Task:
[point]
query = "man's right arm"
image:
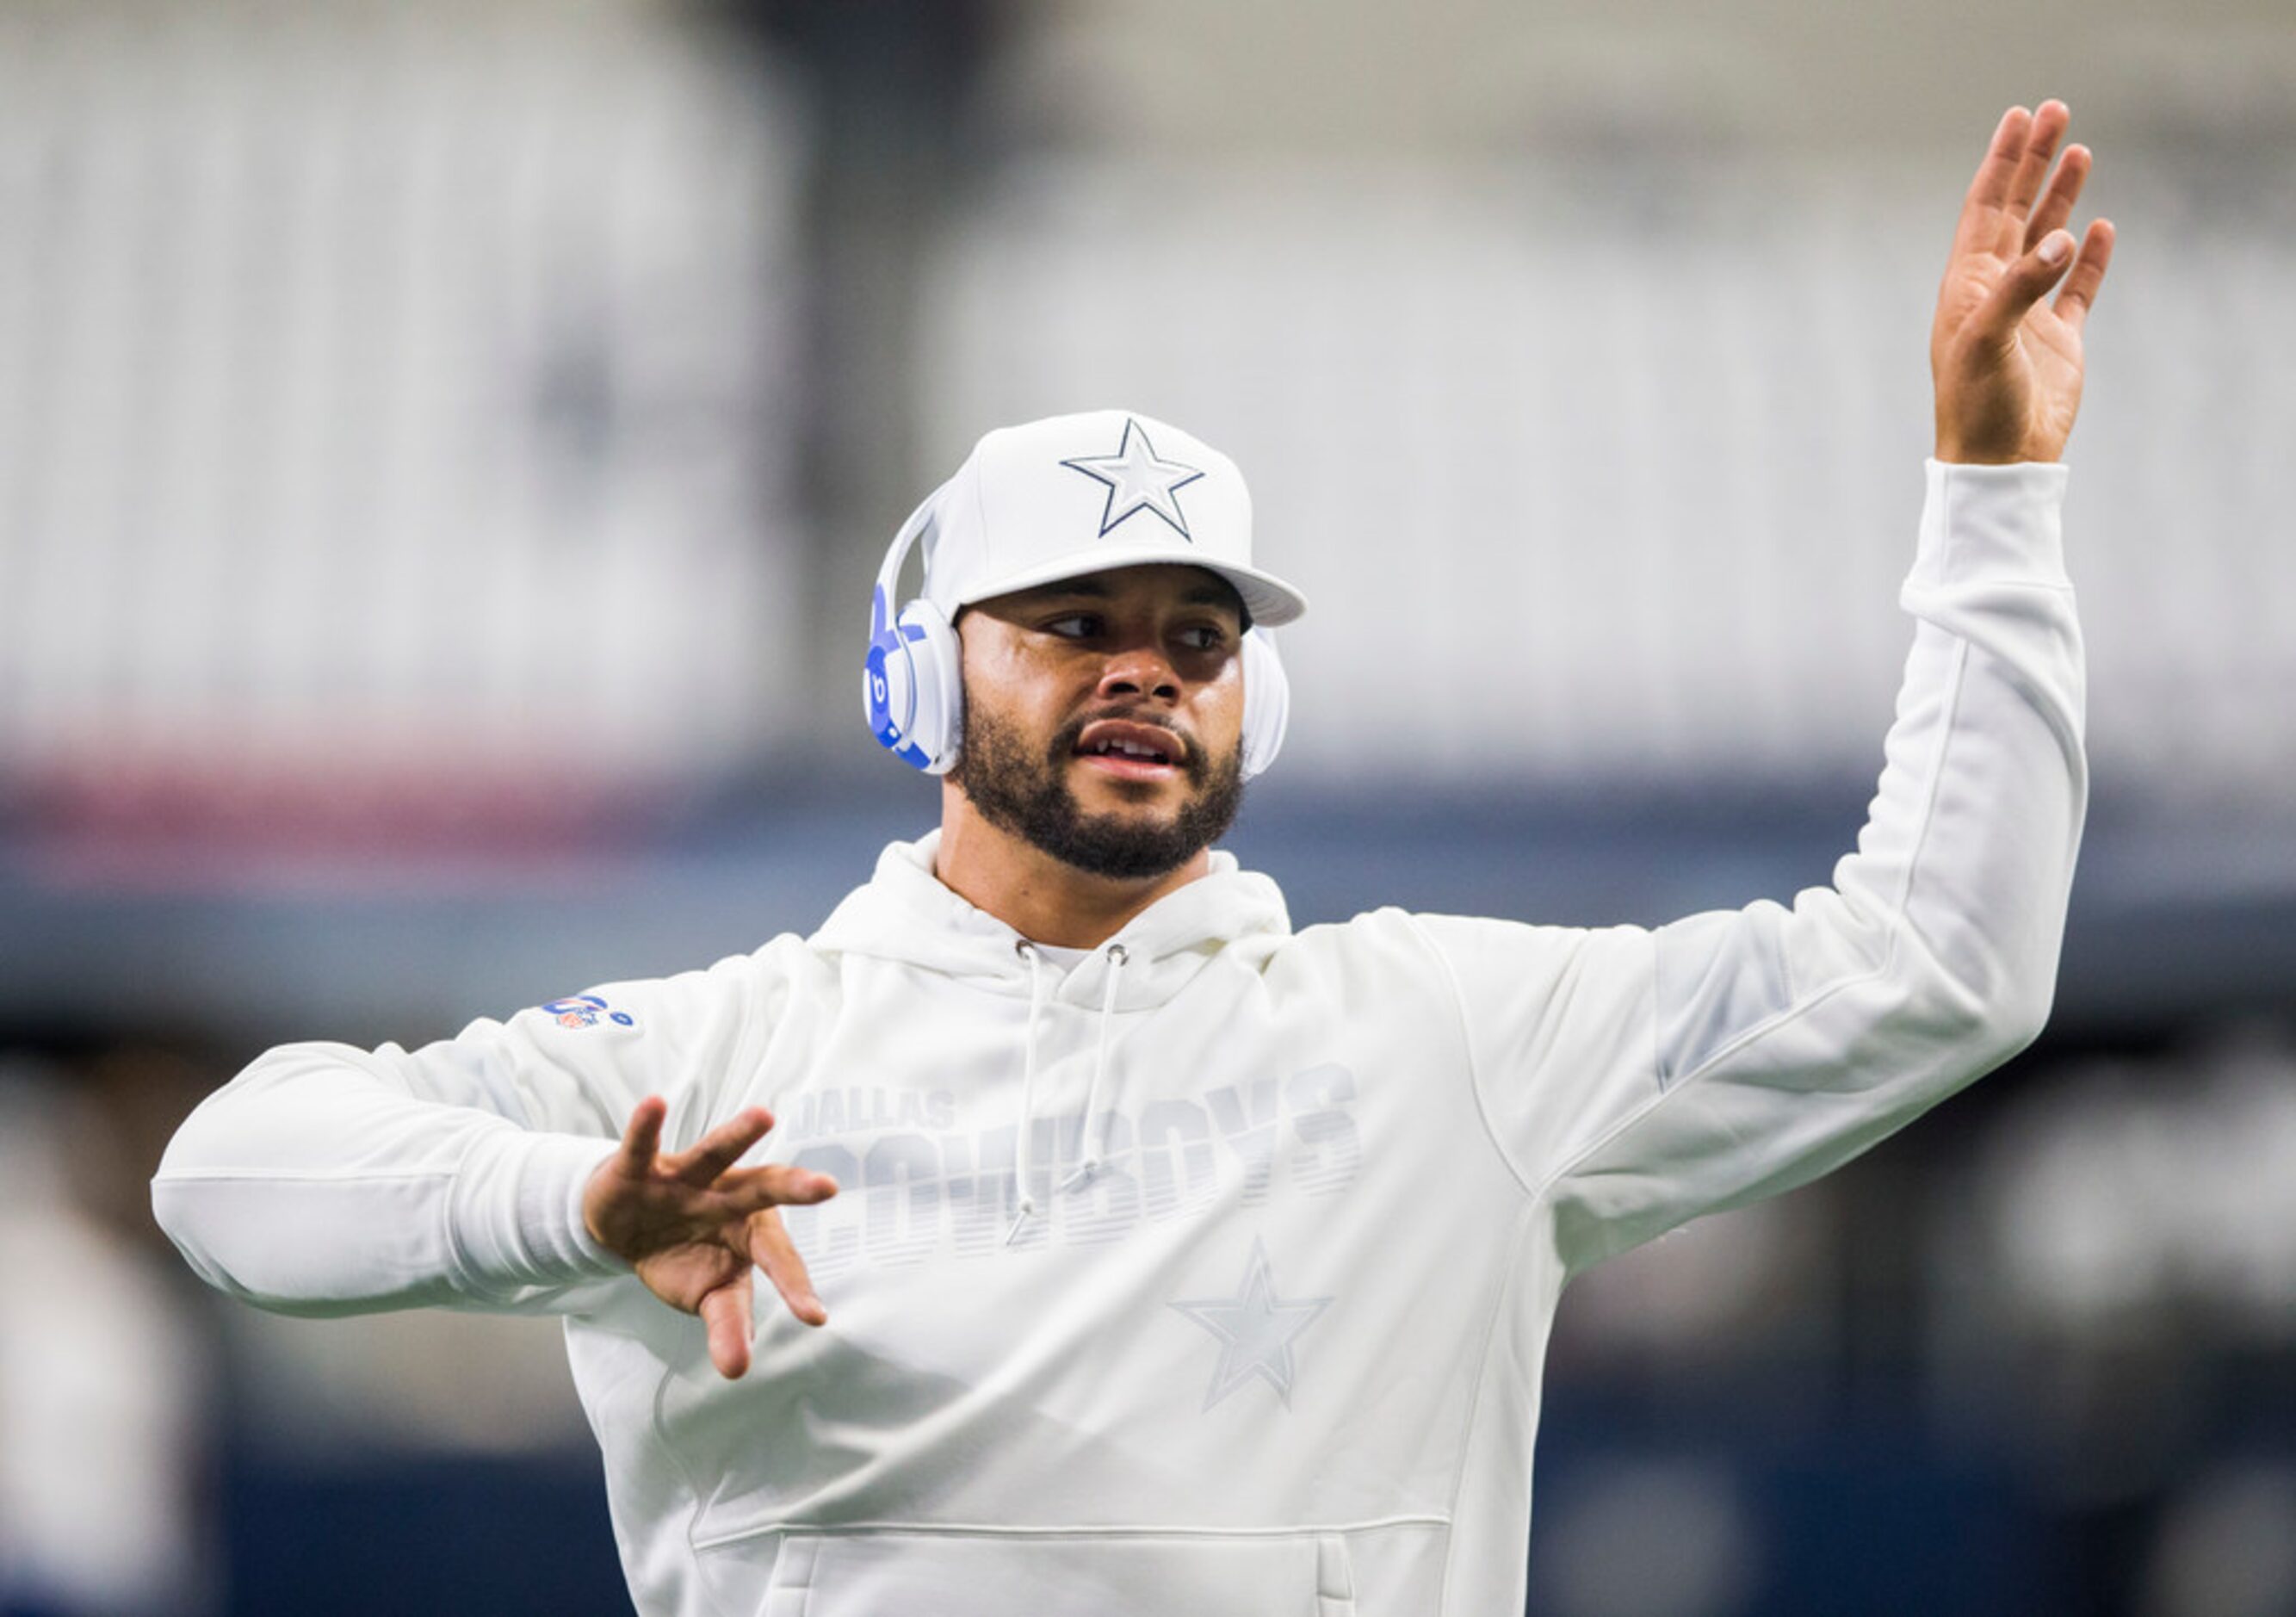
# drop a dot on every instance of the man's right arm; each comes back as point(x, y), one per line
point(326, 1180)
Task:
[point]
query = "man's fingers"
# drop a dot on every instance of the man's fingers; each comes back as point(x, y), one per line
point(643, 1138)
point(2080, 293)
point(1984, 210)
point(2041, 138)
point(726, 1315)
point(772, 1251)
point(717, 1151)
point(2001, 194)
point(1997, 170)
point(801, 1186)
point(2057, 207)
point(754, 1189)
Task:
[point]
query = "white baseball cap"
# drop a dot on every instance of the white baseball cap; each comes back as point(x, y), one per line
point(1076, 494)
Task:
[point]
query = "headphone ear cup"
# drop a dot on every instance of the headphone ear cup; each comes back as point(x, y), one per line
point(887, 685)
point(935, 668)
point(1266, 702)
point(912, 687)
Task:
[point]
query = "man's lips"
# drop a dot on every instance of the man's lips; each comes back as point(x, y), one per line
point(1130, 750)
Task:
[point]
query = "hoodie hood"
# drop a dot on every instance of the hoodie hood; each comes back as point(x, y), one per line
point(905, 914)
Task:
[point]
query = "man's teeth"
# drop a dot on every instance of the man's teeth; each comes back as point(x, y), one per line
point(1129, 749)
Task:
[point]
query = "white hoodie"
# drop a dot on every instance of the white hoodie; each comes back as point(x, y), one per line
point(1254, 1325)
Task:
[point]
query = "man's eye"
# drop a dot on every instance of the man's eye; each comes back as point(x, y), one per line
point(1074, 626)
point(1205, 637)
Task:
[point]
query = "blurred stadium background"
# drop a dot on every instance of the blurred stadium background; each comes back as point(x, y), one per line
point(443, 451)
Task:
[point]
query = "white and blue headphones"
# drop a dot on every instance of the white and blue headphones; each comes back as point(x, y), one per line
point(914, 684)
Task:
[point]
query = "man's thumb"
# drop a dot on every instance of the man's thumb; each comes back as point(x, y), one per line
point(2028, 280)
point(725, 1317)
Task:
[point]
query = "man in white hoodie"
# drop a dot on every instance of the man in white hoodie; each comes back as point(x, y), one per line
point(1180, 1261)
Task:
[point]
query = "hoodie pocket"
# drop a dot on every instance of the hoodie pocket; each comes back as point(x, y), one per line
point(1044, 1574)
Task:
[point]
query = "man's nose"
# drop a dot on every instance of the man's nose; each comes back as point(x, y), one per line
point(1139, 671)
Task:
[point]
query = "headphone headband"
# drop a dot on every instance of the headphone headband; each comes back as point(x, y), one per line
point(889, 575)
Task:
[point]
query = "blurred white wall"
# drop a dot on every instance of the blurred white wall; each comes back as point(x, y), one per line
point(1453, 78)
point(390, 395)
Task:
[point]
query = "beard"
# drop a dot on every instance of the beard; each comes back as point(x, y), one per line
point(1025, 793)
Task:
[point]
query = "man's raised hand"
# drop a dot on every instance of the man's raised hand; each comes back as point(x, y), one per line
point(2008, 366)
point(694, 1226)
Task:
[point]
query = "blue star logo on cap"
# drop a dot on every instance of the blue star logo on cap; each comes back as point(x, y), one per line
point(1138, 479)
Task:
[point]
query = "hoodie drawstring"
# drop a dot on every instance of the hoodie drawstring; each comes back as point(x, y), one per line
point(1097, 1136)
point(1028, 952)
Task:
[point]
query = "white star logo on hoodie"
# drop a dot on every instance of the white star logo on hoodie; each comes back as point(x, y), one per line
point(1255, 1328)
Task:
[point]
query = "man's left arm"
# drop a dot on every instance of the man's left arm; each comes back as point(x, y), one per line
point(1639, 1079)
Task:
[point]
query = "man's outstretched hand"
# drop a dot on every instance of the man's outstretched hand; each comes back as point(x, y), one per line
point(694, 1226)
point(2007, 366)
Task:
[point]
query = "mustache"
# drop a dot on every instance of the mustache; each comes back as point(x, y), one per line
point(1193, 761)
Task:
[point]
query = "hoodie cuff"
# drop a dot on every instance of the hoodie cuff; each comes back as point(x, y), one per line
point(1995, 524)
point(517, 1212)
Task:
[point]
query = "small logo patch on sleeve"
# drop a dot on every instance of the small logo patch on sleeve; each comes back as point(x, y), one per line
point(584, 1010)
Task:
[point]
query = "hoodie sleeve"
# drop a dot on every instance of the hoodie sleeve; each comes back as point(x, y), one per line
point(325, 1179)
point(1639, 1078)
